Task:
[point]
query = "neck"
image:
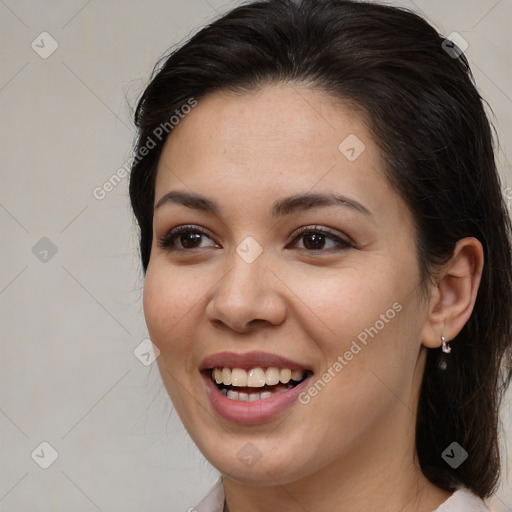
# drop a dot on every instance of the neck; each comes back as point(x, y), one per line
point(391, 487)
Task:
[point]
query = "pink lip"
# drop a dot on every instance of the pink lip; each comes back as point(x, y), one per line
point(251, 412)
point(249, 360)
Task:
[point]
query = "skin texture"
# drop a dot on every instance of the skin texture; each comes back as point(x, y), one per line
point(351, 448)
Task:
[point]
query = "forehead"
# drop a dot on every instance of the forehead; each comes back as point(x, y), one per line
point(270, 115)
point(280, 138)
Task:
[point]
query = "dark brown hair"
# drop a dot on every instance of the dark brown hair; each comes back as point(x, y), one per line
point(428, 119)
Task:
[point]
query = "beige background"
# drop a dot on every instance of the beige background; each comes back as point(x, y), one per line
point(70, 324)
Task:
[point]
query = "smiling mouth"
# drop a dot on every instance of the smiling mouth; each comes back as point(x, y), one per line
point(256, 384)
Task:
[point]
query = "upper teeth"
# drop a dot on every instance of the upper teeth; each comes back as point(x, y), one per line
point(256, 377)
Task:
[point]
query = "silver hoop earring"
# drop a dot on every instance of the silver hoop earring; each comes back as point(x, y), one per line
point(446, 348)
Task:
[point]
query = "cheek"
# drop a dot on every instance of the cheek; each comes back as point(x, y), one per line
point(378, 342)
point(366, 315)
point(350, 300)
point(169, 297)
point(169, 302)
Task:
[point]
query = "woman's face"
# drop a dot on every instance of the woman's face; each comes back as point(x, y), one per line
point(297, 262)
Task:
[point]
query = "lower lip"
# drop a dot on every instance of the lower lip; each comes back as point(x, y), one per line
point(251, 412)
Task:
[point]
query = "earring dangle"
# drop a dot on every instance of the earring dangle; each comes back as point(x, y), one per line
point(446, 348)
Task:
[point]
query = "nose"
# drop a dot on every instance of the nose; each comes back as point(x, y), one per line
point(248, 295)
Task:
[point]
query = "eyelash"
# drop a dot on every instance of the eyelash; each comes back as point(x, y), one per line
point(168, 239)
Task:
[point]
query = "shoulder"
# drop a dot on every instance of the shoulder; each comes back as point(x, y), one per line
point(463, 500)
point(213, 501)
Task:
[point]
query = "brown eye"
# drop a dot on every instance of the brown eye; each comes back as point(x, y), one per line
point(190, 240)
point(319, 239)
point(185, 238)
point(313, 241)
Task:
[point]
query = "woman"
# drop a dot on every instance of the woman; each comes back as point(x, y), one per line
point(327, 259)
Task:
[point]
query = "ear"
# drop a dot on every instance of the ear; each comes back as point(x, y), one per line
point(452, 300)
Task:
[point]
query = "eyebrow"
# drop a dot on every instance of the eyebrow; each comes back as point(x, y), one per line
point(280, 208)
